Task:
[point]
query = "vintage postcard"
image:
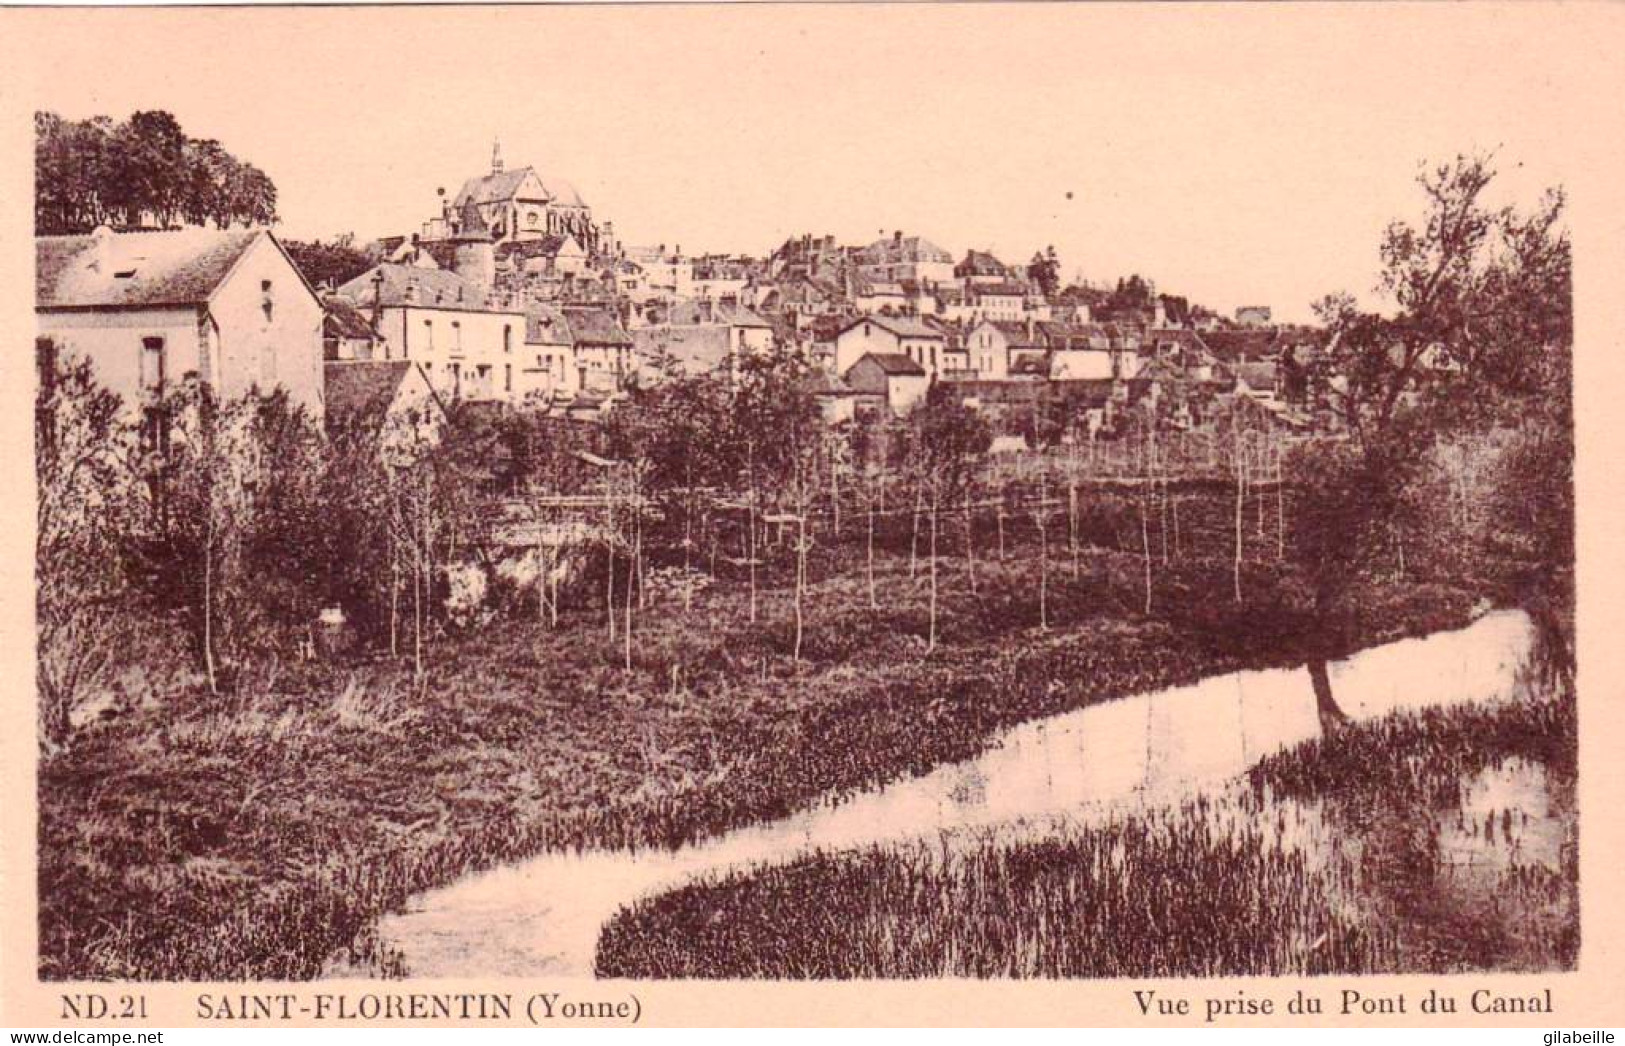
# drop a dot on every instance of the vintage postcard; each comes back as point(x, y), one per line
point(827, 514)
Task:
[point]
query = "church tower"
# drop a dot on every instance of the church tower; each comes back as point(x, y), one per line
point(496, 156)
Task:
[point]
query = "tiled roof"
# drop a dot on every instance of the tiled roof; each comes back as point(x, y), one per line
point(697, 349)
point(546, 325)
point(907, 249)
point(595, 326)
point(823, 383)
point(137, 269)
point(1016, 335)
point(430, 288)
point(357, 394)
point(893, 363)
point(689, 312)
point(543, 247)
point(341, 319)
point(902, 326)
point(494, 188)
point(982, 263)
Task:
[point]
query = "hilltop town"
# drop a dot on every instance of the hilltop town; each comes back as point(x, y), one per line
point(515, 294)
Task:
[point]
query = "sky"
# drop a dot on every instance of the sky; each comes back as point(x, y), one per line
point(1240, 154)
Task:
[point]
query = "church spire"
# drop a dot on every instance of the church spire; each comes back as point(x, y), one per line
point(496, 156)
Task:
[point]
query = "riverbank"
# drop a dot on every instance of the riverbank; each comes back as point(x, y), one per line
point(1432, 842)
point(262, 834)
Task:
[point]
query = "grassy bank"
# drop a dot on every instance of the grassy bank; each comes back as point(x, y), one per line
point(1339, 856)
point(261, 834)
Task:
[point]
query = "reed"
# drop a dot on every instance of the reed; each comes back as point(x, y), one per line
point(1326, 859)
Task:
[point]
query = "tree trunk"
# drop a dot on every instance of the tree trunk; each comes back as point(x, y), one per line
point(835, 494)
point(931, 641)
point(870, 552)
point(970, 540)
point(1145, 548)
point(914, 533)
point(801, 576)
point(1072, 522)
point(1241, 496)
point(1332, 718)
point(1043, 568)
point(1280, 509)
point(631, 579)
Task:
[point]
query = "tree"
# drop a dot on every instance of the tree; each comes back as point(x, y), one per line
point(773, 420)
point(1479, 337)
point(84, 521)
point(946, 442)
point(1045, 271)
point(337, 261)
point(142, 171)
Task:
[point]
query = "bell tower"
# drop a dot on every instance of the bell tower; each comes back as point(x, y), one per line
point(496, 156)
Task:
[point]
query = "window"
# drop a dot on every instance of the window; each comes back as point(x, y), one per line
point(507, 338)
point(428, 334)
point(266, 302)
point(152, 365)
point(507, 377)
point(456, 336)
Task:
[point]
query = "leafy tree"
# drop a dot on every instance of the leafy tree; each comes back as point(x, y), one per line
point(144, 170)
point(337, 261)
point(84, 516)
point(1480, 338)
point(1045, 271)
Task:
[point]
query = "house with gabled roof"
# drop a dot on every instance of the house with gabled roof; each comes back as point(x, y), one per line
point(893, 377)
point(890, 335)
point(448, 321)
point(151, 310)
point(391, 401)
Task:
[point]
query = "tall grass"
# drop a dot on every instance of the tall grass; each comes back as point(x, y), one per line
point(1326, 860)
point(261, 834)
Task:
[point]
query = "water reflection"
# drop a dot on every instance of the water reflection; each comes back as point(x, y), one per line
point(1086, 766)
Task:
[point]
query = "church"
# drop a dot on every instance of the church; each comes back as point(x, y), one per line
point(521, 205)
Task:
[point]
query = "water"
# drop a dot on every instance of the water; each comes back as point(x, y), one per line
point(543, 916)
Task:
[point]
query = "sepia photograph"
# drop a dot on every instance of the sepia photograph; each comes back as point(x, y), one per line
point(997, 493)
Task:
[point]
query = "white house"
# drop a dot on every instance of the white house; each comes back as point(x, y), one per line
point(150, 309)
point(441, 320)
point(1095, 364)
point(887, 335)
point(548, 367)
